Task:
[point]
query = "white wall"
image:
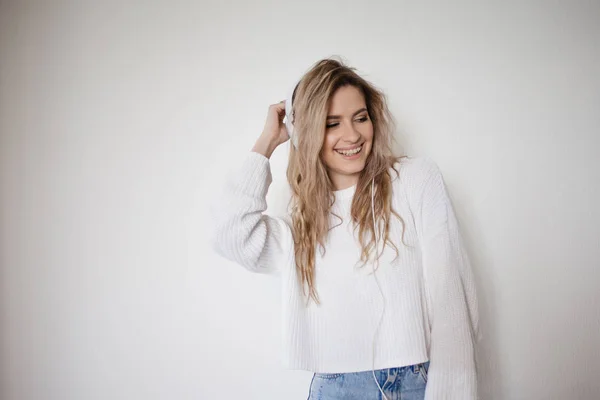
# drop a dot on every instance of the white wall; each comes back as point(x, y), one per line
point(118, 118)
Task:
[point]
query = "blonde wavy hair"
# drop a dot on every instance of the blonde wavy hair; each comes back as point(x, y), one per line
point(312, 189)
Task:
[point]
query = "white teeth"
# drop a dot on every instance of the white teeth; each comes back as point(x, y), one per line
point(350, 152)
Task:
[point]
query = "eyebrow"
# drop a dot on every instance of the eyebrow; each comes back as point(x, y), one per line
point(355, 113)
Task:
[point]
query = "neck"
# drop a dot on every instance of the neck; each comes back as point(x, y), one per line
point(341, 182)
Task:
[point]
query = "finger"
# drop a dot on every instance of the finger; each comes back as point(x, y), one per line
point(280, 107)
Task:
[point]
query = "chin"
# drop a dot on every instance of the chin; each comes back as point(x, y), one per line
point(351, 169)
point(348, 168)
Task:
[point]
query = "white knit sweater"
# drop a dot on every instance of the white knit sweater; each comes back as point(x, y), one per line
point(430, 299)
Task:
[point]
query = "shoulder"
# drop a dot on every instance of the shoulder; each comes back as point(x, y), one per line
point(419, 182)
point(414, 173)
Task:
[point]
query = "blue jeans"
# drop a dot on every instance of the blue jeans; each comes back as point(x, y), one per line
point(400, 383)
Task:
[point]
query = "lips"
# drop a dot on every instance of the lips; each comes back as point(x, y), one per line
point(350, 148)
point(351, 153)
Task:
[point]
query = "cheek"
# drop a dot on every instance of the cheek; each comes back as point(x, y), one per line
point(369, 131)
point(327, 155)
point(330, 141)
point(369, 136)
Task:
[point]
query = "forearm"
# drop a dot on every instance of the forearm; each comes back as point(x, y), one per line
point(242, 232)
point(265, 146)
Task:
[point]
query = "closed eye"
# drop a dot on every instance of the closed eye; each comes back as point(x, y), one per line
point(361, 120)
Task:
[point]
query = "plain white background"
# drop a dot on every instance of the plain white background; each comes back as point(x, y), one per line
point(119, 119)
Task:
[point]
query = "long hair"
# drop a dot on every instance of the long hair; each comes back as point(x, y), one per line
point(311, 187)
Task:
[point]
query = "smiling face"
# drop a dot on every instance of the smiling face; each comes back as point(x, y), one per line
point(348, 137)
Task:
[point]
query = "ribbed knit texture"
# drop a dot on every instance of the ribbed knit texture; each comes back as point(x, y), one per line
point(430, 299)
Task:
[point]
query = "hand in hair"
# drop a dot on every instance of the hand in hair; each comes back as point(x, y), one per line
point(274, 132)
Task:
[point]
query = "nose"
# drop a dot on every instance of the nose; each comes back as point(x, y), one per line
point(350, 134)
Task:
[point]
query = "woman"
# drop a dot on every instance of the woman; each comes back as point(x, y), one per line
point(402, 327)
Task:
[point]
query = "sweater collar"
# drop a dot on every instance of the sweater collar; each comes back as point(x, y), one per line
point(345, 194)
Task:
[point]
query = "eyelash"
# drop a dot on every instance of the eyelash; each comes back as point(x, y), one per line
point(363, 119)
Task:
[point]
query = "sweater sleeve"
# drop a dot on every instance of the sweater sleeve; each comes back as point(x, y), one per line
point(450, 290)
point(241, 231)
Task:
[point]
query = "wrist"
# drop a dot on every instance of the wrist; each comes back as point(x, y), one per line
point(265, 146)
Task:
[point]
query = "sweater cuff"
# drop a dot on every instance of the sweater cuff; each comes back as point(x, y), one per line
point(254, 176)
